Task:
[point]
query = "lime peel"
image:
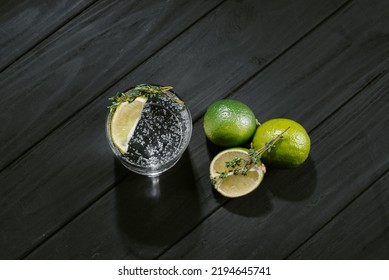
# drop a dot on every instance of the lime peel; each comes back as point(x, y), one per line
point(229, 123)
point(230, 184)
point(238, 171)
point(291, 152)
point(124, 121)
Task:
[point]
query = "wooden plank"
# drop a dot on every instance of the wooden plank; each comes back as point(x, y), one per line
point(134, 227)
point(232, 45)
point(72, 59)
point(83, 166)
point(361, 231)
point(24, 24)
point(80, 61)
point(293, 204)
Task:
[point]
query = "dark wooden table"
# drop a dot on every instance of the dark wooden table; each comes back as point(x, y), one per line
point(63, 195)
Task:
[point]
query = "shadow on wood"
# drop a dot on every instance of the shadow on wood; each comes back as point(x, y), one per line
point(213, 149)
point(254, 204)
point(151, 211)
point(294, 184)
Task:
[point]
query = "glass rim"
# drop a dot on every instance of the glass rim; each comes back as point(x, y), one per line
point(185, 140)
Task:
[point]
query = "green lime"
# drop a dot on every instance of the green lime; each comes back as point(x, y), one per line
point(229, 123)
point(290, 151)
point(232, 185)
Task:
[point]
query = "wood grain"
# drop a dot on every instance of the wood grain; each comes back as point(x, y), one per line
point(54, 80)
point(68, 180)
point(24, 24)
point(80, 61)
point(130, 237)
point(243, 40)
point(293, 204)
point(361, 231)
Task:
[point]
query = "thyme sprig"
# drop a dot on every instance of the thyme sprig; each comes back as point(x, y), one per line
point(239, 166)
point(143, 90)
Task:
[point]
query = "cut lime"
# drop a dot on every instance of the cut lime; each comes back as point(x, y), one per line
point(124, 121)
point(235, 185)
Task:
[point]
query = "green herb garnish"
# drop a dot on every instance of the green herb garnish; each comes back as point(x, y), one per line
point(143, 90)
point(239, 166)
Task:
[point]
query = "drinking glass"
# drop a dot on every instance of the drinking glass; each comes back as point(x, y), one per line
point(160, 137)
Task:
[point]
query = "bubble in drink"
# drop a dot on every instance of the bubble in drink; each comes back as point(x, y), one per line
point(160, 136)
point(156, 138)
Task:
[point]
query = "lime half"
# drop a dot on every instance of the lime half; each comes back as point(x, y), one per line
point(235, 185)
point(124, 121)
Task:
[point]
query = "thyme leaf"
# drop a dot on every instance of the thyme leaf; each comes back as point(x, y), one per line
point(143, 90)
point(238, 166)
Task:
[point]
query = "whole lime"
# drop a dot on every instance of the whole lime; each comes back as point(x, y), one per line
point(229, 123)
point(290, 151)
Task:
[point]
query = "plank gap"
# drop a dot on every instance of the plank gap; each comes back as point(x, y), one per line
point(91, 203)
point(95, 98)
point(6, 66)
point(323, 21)
point(368, 84)
point(337, 214)
point(82, 210)
point(341, 8)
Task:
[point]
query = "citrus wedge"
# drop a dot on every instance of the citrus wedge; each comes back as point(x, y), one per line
point(124, 121)
point(235, 185)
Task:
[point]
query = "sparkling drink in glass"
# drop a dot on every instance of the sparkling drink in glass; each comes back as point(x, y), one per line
point(161, 134)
